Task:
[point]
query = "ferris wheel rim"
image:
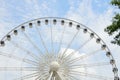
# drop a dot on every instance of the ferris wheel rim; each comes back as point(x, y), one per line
point(60, 19)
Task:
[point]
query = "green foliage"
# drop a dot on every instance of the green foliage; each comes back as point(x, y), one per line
point(115, 26)
point(116, 3)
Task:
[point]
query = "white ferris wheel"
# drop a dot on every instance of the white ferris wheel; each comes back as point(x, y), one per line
point(54, 48)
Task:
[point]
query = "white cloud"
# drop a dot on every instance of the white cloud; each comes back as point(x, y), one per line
point(84, 14)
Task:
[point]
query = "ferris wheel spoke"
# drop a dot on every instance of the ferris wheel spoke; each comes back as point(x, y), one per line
point(27, 51)
point(41, 76)
point(45, 76)
point(18, 68)
point(28, 76)
point(43, 64)
point(51, 30)
point(50, 76)
point(73, 77)
point(18, 58)
point(43, 43)
point(63, 54)
point(33, 44)
point(59, 76)
point(61, 40)
point(89, 65)
point(37, 78)
point(72, 53)
point(99, 77)
point(70, 78)
point(84, 56)
point(54, 78)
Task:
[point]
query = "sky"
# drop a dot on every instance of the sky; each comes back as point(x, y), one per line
point(95, 14)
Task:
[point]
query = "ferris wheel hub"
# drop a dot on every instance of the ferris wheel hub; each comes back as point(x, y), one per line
point(54, 66)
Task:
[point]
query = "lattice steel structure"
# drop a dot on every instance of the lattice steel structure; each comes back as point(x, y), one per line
point(54, 48)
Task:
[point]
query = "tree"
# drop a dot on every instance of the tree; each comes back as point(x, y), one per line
point(115, 26)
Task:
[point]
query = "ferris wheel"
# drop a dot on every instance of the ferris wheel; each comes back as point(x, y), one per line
point(54, 48)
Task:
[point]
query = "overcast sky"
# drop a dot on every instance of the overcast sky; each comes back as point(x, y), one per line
point(95, 14)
